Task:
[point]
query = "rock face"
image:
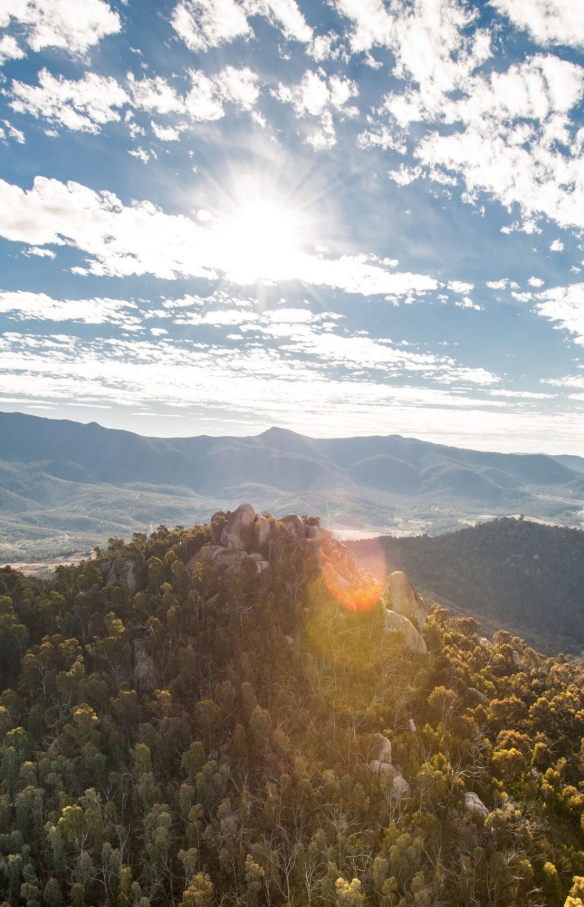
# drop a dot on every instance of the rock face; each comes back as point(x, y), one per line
point(144, 671)
point(413, 641)
point(295, 527)
point(403, 598)
point(237, 532)
point(230, 560)
point(118, 573)
point(387, 773)
point(474, 804)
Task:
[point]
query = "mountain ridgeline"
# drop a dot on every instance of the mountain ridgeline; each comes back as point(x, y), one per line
point(278, 458)
point(66, 487)
point(193, 719)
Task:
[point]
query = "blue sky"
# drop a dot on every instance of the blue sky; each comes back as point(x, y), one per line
point(351, 217)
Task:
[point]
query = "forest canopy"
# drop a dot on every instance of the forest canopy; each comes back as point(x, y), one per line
point(178, 733)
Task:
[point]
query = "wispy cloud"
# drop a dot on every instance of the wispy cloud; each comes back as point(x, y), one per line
point(25, 306)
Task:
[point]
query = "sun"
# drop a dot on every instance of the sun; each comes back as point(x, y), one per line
point(263, 238)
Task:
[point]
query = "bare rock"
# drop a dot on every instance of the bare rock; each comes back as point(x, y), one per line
point(118, 573)
point(413, 641)
point(263, 529)
point(384, 748)
point(144, 671)
point(412, 726)
point(403, 598)
point(261, 567)
point(474, 804)
point(229, 559)
point(238, 531)
point(516, 660)
point(390, 776)
point(480, 696)
point(486, 642)
point(295, 527)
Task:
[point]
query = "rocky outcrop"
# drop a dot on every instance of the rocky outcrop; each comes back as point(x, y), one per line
point(144, 671)
point(229, 560)
point(237, 533)
point(403, 598)
point(474, 804)
point(295, 527)
point(118, 573)
point(383, 768)
point(397, 623)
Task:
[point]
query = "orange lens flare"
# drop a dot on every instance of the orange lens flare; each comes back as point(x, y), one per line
point(357, 583)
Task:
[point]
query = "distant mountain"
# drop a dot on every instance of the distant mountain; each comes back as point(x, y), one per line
point(575, 463)
point(509, 573)
point(59, 475)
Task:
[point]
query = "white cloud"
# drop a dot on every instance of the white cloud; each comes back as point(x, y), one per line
point(557, 246)
point(87, 104)
point(82, 105)
point(319, 95)
point(13, 133)
point(498, 284)
point(283, 13)
point(405, 175)
point(467, 303)
point(564, 305)
point(74, 25)
point(547, 21)
point(458, 286)
point(209, 23)
point(40, 307)
point(428, 41)
point(251, 382)
point(154, 94)
point(165, 133)
point(140, 153)
point(535, 282)
point(39, 253)
point(325, 47)
point(139, 239)
point(517, 142)
point(10, 49)
point(206, 99)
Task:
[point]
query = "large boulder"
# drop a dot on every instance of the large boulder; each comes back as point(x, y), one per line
point(383, 744)
point(390, 776)
point(229, 559)
point(295, 527)
point(238, 531)
point(474, 804)
point(403, 598)
point(263, 529)
point(413, 641)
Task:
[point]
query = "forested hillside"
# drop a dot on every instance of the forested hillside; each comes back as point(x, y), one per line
point(513, 573)
point(178, 732)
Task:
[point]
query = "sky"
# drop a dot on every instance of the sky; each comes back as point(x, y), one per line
point(350, 217)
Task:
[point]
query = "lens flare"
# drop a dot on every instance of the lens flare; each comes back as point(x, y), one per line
point(356, 582)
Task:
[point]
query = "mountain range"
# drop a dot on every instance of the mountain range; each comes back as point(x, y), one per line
point(66, 486)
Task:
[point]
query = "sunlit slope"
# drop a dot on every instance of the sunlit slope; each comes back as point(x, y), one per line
point(512, 573)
